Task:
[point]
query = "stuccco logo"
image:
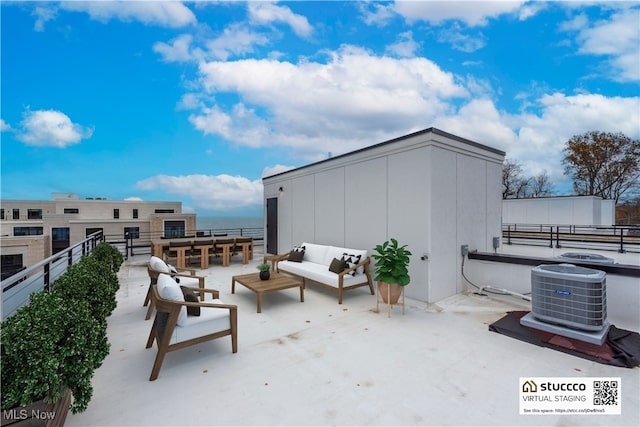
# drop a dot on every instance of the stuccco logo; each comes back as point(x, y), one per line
point(530, 386)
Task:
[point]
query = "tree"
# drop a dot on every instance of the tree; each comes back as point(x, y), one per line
point(517, 186)
point(511, 178)
point(603, 164)
point(540, 185)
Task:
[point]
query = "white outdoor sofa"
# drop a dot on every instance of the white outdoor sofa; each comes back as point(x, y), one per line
point(315, 264)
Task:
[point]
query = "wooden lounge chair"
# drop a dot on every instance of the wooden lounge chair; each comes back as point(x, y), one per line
point(156, 266)
point(173, 329)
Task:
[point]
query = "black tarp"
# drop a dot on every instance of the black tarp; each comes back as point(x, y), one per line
point(621, 347)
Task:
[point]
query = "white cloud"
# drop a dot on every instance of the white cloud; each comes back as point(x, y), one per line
point(472, 13)
point(179, 50)
point(319, 107)
point(537, 140)
point(172, 14)
point(236, 39)
point(458, 40)
point(263, 12)
point(274, 170)
point(219, 192)
point(405, 46)
point(133, 199)
point(43, 14)
point(616, 38)
point(51, 128)
point(4, 126)
point(374, 13)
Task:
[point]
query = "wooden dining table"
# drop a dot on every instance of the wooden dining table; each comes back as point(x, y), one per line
point(203, 244)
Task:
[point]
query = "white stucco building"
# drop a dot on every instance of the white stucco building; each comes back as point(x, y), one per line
point(430, 189)
point(563, 210)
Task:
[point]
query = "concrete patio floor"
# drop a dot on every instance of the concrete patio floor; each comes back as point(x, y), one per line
point(321, 363)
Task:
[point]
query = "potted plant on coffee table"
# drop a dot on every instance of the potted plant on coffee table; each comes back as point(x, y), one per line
point(264, 271)
point(391, 269)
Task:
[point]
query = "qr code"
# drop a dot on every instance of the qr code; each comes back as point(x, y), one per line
point(605, 392)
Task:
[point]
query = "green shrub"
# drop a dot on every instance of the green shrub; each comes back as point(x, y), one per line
point(92, 281)
point(59, 339)
point(109, 255)
point(50, 345)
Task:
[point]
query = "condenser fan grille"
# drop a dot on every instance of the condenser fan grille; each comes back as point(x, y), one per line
point(569, 295)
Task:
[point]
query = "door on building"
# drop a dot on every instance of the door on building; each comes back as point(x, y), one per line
point(59, 239)
point(272, 225)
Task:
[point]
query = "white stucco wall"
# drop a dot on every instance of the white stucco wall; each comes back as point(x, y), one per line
point(565, 210)
point(427, 190)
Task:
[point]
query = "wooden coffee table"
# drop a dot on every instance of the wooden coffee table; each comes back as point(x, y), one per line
point(276, 282)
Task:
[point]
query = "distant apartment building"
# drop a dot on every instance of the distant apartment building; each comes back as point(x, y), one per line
point(32, 230)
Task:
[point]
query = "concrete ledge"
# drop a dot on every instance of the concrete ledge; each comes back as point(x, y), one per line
point(617, 269)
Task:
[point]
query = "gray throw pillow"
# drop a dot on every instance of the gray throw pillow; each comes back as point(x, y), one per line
point(337, 266)
point(296, 255)
point(190, 296)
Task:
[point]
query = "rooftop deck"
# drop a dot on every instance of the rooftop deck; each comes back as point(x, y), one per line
point(320, 363)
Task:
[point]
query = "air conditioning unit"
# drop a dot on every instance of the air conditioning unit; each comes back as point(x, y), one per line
point(569, 295)
point(586, 257)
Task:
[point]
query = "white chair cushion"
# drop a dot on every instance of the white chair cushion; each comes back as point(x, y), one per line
point(210, 320)
point(170, 290)
point(158, 265)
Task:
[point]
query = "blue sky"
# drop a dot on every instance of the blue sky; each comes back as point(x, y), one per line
point(196, 101)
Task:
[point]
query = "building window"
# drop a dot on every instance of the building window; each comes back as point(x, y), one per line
point(160, 211)
point(90, 231)
point(116, 213)
point(60, 233)
point(11, 264)
point(132, 232)
point(2, 213)
point(34, 213)
point(27, 231)
point(174, 228)
point(71, 210)
point(16, 214)
point(135, 213)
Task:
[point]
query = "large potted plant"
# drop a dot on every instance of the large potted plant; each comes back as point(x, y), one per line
point(391, 269)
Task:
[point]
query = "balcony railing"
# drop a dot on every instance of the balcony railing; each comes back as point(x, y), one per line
point(622, 238)
point(139, 244)
point(36, 278)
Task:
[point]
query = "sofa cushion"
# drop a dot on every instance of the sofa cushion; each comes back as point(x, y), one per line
point(316, 253)
point(170, 290)
point(337, 266)
point(319, 273)
point(190, 296)
point(158, 265)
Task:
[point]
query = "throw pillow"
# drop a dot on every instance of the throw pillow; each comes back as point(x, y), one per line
point(158, 265)
point(351, 260)
point(337, 266)
point(296, 254)
point(170, 290)
point(172, 269)
point(190, 296)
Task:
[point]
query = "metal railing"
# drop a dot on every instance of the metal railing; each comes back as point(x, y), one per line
point(39, 277)
point(621, 238)
point(141, 242)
